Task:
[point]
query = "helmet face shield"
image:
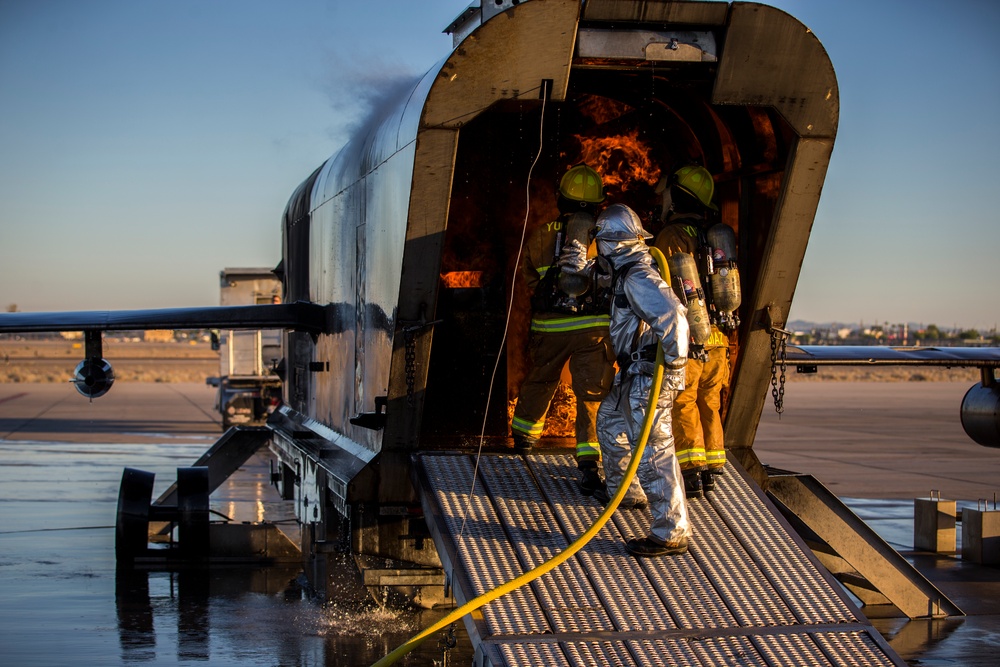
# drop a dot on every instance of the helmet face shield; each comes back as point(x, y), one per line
point(606, 248)
point(620, 223)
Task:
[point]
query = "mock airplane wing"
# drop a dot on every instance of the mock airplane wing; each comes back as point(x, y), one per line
point(299, 316)
point(860, 355)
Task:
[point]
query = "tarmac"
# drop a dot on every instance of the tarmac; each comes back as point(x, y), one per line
point(131, 412)
point(898, 440)
point(877, 446)
point(878, 440)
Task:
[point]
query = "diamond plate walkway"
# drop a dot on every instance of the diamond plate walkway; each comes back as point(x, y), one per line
point(746, 593)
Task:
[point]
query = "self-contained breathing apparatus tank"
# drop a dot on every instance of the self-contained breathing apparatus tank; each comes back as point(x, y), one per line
point(687, 286)
point(574, 285)
point(577, 229)
point(723, 276)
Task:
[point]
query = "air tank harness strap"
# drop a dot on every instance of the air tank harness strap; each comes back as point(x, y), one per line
point(645, 353)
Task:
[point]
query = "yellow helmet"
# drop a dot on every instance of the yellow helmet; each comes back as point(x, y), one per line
point(581, 183)
point(697, 182)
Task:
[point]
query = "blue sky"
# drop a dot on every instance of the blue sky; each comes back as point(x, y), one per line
point(146, 145)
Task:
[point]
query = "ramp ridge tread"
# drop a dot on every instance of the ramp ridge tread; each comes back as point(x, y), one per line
point(729, 651)
point(612, 654)
point(550, 654)
point(484, 551)
point(844, 649)
point(647, 654)
point(805, 591)
point(736, 576)
point(537, 537)
point(853, 649)
point(699, 605)
point(791, 650)
point(546, 509)
point(613, 573)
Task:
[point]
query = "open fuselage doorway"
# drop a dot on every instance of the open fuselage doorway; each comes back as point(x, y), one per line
point(633, 127)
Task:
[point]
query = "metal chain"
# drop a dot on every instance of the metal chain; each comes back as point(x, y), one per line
point(778, 339)
point(447, 640)
point(409, 340)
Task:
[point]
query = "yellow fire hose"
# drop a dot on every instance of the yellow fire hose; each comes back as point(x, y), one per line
point(563, 556)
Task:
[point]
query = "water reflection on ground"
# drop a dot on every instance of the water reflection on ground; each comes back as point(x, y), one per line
point(256, 617)
point(63, 602)
point(970, 641)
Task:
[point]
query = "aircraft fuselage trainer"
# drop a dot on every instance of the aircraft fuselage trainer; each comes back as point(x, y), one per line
point(399, 253)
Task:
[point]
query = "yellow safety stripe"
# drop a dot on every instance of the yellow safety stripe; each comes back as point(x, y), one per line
point(563, 324)
point(691, 457)
point(588, 449)
point(715, 457)
point(542, 270)
point(533, 429)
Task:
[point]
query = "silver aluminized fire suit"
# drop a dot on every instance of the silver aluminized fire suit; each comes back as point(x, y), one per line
point(645, 312)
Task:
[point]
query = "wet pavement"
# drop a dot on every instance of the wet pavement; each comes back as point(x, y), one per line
point(62, 601)
point(877, 446)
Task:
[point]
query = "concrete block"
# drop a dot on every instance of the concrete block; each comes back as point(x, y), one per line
point(934, 524)
point(981, 535)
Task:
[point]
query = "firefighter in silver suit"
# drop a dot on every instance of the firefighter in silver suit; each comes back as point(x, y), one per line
point(645, 313)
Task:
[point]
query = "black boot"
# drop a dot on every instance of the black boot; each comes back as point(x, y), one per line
point(647, 547)
point(590, 479)
point(522, 443)
point(692, 483)
point(708, 481)
point(708, 477)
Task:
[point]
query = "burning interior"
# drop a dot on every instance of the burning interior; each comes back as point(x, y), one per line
point(632, 124)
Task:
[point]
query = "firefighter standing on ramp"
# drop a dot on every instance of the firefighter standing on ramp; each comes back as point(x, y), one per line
point(702, 258)
point(569, 323)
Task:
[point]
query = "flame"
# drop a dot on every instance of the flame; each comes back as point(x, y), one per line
point(621, 159)
point(456, 279)
point(602, 109)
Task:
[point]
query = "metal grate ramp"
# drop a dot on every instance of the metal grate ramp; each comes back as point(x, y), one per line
point(746, 593)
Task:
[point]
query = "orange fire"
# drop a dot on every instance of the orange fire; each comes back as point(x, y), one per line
point(456, 279)
point(602, 109)
point(621, 159)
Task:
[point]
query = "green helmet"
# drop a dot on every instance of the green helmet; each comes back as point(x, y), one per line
point(581, 183)
point(697, 182)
